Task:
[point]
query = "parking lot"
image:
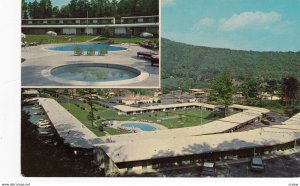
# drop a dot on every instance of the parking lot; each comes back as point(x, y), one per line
point(285, 166)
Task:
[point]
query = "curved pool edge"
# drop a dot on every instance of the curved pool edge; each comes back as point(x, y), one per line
point(46, 48)
point(158, 127)
point(143, 75)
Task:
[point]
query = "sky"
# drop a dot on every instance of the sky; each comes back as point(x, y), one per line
point(54, 2)
point(259, 25)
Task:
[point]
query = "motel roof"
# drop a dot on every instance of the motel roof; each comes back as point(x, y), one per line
point(169, 147)
point(170, 143)
point(133, 17)
point(30, 91)
point(125, 108)
point(170, 106)
point(179, 105)
point(217, 126)
point(68, 18)
point(77, 135)
point(92, 26)
point(243, 107)
point(67, 126)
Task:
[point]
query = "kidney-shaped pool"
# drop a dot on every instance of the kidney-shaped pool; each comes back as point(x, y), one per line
point(86, 46)
point(141, 126)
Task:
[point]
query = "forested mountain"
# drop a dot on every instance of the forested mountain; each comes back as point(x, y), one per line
point(195, 66)
point(96, 8)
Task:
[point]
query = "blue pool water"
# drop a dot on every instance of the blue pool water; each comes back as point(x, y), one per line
point(84, 47)
point(142, 126)
point(92, 73)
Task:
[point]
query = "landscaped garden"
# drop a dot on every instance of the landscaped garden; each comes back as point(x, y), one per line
point(170, 119)
point(51, 39)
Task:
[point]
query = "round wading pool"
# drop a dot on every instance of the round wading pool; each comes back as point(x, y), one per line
point(94, 72)
point(85, 46)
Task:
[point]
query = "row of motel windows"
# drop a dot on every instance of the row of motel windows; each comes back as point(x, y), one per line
point(214, 156)
point(140, 20)
point(105, 21)
point(95, 21)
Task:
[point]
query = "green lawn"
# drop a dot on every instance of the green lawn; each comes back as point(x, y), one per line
point(46, 39)
point(125, 39)
point(171, 119)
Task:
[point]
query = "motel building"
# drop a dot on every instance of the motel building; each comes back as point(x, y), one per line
point(92, 26)
point(138, 153)
point(158, 153)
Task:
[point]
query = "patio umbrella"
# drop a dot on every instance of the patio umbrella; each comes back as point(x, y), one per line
point(23, 35)
point(51, 33)
point(146, 34)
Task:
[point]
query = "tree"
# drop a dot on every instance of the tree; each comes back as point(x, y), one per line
point(25, 8)
point(90, 101)
point(55, 11)
point(290, 90)
point(222, 90)
point(250, 89)
point(95, 8)
point(34, 10)
point(272, 87)
point(45, 8)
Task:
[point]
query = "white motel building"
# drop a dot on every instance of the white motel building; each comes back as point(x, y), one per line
point(93, 26)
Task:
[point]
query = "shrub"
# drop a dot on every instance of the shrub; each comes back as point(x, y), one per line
point(77, 51)
point(90, 51)
point(103, 51)
point(100, 128)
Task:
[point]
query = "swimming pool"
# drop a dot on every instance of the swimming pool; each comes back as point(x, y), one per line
point(142, 126)
point(94, 72)
point(85, 46)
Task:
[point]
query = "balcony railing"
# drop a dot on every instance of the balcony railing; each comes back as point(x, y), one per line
point(67, 22)
point(136, 20)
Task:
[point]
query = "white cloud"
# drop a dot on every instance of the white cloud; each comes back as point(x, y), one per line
point(244, 19)
point(168, 3)
point(207, 22)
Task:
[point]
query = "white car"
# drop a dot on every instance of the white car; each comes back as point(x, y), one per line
point(208, 169)
point(44, 126)
point(45, 122)
point(257, 164)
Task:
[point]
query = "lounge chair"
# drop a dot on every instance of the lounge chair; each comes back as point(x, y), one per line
point(155, 60)
point(146, 55)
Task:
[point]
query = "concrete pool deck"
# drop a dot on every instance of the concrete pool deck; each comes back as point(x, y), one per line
point(39, 59)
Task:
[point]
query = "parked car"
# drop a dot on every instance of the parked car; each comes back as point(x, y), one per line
point(271, 119)
point(257, 164)
point(208, 169)
point(266, 122)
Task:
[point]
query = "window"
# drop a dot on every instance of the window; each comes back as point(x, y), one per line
point(144, 165)
point(129, 166)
